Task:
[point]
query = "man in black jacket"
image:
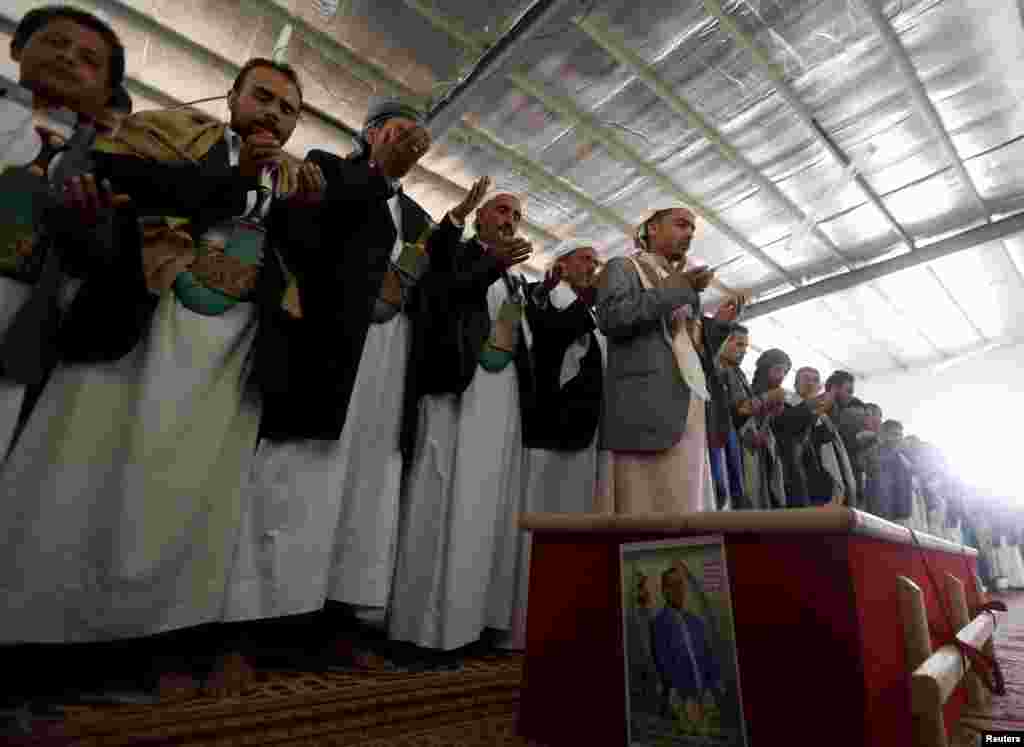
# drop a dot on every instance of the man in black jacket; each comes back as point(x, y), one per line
point(336, 490)
point(152, 433)
point(568, 356)
point(801, 436)
point(457, 550)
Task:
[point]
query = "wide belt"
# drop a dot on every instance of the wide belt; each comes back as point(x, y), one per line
point(400, 278)
point(225, 269)
point(225, 274)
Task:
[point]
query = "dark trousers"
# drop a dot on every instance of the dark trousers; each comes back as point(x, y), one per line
point(727, 473)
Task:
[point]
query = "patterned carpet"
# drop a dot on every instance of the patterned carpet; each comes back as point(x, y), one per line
point(474, 707)
point(1003, 713)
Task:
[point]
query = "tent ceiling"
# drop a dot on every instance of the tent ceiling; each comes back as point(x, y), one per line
point(815, 137)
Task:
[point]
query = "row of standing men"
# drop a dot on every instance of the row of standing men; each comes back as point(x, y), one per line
point(242, 387)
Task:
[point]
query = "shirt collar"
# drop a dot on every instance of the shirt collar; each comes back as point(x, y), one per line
point(562, 296)
point(233, 139)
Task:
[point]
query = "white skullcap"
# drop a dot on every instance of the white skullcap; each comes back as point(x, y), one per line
point(503, 191)
point(571, 245)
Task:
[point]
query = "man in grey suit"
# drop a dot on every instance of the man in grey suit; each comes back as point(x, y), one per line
point(648, 307)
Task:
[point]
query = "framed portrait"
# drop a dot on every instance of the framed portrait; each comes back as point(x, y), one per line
point(681, 670)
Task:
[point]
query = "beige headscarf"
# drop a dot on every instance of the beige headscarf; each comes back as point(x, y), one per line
point(654, 270)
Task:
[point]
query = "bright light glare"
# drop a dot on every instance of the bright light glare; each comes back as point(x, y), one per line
point(978, 434)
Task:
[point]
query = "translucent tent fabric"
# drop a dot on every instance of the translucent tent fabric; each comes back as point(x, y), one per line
point(594, 147)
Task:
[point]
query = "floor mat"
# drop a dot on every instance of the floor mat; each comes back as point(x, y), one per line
point(475, 706)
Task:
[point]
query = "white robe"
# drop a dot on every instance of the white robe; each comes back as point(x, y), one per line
point(323, 515)
point(564, 481)
point(1011, 563)
point(19, 149)
point(560, 481)
point(458, 545)
point(13, 295)
point(120, 505)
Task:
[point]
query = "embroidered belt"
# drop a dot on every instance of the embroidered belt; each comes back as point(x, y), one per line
point(23, 198)
point(500, 348)
point(226, 274)
point(225, 270)
point(393, 292)
point(402, 275)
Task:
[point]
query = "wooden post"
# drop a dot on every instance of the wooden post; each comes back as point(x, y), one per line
point(929, 729)
point(961, 617)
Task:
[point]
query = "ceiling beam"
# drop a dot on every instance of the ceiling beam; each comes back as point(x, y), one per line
point(803, 112)
point(594, 131)
point(857, 321)
point(539, 176)
point(447, 112)
point(919, 96)
point(910, 323)
point(621, 151)
point(333, 50)
point(955, 302)
point(801, 342)
point(949, 361)
point(927, 111)
point(280, 52)
point(617, 49)
point(374, 76)
point(348, 134)
point(967, 240)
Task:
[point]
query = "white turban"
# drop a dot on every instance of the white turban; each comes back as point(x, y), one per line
point(571, 245)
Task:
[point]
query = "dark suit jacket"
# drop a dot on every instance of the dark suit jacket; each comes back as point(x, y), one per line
point(303, 369)
point(565, 418)
point(673, 659)
point(339, 253)
point(112, 309)
point(451, 324)
point(792, 434)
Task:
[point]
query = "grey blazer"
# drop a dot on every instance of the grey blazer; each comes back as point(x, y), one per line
point(645, 397)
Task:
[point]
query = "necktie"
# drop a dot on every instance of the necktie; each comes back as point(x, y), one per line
point(264, 193)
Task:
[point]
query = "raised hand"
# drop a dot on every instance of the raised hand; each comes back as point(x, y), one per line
point(823, 403)
point(397, 156)
point(312, 185)
point(90, 201)
point(512, 251)
point(259, 151)
point(553, 277)
point(472, 201)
